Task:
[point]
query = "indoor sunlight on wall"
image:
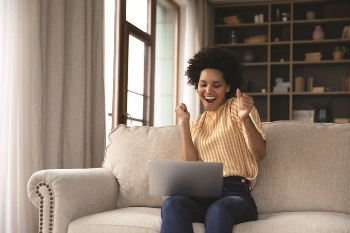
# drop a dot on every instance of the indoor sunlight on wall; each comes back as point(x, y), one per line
point(165, 73)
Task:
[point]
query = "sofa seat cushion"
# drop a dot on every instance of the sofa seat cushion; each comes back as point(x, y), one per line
point(130, 219)
point(148, 220)
point(297, 222)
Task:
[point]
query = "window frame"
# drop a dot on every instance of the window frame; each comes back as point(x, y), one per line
point(120, 87)
point(124, 29)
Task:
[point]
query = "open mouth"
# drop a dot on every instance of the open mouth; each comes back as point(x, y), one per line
point(210, 99)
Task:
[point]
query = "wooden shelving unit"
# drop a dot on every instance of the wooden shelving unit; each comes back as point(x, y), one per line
point(285, 58)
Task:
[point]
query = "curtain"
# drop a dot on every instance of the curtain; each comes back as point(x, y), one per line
point(15, 161)
point(195, 25)
point(52, 96)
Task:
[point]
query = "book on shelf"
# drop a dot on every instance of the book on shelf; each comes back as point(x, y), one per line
point(309, 83)
point(346, 83)
point(299, 84)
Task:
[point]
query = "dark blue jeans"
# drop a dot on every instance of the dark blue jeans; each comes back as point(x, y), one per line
point(219, 215)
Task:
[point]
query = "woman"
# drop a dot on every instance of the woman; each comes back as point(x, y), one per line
point(229, 131)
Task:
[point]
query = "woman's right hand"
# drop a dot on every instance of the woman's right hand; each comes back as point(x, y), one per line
point(181, 111)
point(188, 151)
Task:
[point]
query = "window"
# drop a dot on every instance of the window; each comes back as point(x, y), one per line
point(145, 93)
point(137, 14)
point(137, 77)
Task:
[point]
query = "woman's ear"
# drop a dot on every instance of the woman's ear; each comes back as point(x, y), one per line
point(228, 88)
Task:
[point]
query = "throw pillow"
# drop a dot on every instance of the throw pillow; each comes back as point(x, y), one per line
point(127, 156)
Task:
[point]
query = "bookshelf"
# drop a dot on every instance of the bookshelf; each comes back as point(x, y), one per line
point(282, 55)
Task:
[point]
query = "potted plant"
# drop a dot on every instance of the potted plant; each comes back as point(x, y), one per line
point(323, 110)
point(338, 53)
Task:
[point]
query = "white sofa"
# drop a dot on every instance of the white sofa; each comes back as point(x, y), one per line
point(302, 187)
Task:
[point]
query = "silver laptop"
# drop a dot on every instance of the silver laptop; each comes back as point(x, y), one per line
point(192, 179)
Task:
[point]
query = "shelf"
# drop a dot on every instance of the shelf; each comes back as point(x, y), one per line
point(324, 41)
point(280, 23)
point(322, 62)
point(283, 43)
point(323, 21)
point(307, 93)
point(295, 38)
point(322, 93)
point(241, 25)
point(242, 45)
point(256, 94)
point(255, 64)
point(280, 43)
point(278, 63)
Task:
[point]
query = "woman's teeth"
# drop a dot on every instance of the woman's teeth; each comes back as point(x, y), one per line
point(209, 99)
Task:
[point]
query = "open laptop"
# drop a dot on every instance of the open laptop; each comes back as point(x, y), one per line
point(187, 178)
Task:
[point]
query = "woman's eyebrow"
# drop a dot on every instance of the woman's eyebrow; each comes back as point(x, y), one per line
point(206, 81)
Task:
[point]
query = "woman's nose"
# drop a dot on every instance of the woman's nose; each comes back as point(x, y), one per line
point(208, 89)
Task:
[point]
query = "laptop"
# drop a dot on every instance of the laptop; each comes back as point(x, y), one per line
point(187, 178)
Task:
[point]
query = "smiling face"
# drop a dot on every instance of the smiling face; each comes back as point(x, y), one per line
point(212, 89)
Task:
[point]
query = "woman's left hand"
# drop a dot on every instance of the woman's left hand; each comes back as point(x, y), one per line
point(245, 104)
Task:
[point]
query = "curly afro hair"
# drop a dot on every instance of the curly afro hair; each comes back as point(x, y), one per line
point(223, 59)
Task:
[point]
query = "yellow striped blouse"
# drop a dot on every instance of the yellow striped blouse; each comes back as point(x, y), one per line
point(219, 136)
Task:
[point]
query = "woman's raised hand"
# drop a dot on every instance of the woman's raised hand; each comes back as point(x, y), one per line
point(245, 104)
point(181, 111)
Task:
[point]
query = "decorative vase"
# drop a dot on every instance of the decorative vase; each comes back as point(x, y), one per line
point(310, 15)
point(338, 55)
point(248, 56)
point(323, 115)
point(318, 33)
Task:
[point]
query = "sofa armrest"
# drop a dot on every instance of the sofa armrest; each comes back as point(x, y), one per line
point(62, 195)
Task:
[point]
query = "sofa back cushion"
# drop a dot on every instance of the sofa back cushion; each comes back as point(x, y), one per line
point(129, 150)
point(307, 168)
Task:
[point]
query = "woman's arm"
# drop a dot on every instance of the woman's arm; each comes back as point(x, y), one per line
point(256, 142)
point(188, 151)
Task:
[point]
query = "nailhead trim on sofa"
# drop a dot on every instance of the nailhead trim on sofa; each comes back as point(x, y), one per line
point(44, 190)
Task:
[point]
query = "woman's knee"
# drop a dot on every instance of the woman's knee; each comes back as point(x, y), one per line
point(227, 205)
point(176, 203)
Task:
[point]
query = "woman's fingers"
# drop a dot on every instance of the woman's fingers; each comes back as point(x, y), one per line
point(239, 95)
point(246, 101)
point(181, 111)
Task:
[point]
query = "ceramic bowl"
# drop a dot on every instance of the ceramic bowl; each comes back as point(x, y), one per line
point(256, 39)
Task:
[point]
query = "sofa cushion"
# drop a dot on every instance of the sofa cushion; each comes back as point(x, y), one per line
point(127, 154)
point(306, 168)
point(297, 222)
point(130, 219)
point(148, 220)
